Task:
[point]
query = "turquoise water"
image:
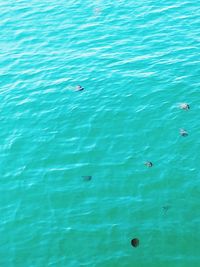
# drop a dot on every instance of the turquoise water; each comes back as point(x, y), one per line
point(137, 60)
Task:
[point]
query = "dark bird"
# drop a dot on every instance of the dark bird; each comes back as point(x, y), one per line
point(135, 242)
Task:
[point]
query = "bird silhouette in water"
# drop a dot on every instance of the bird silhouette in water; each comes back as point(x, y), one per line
point(87, 178)
point(135, 242)
point(166, 208)
point(79, 88)
point(149, 164)
point(183, 132)
point(184, 106)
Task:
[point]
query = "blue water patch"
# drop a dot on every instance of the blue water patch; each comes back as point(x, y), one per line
point(75, 190)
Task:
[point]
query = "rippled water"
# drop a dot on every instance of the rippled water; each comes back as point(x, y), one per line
point(137, 60)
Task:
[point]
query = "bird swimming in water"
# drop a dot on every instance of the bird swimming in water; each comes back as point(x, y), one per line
point(87, 178)
point(183, 132)
point(79, 88)
point(184, 106)
point(166, 208)
point(135, 242)
point(149, 164)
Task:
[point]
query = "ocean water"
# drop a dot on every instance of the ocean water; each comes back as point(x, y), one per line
point(137, 60)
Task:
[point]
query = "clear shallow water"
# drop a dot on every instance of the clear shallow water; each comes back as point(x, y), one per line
point(137, 62)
